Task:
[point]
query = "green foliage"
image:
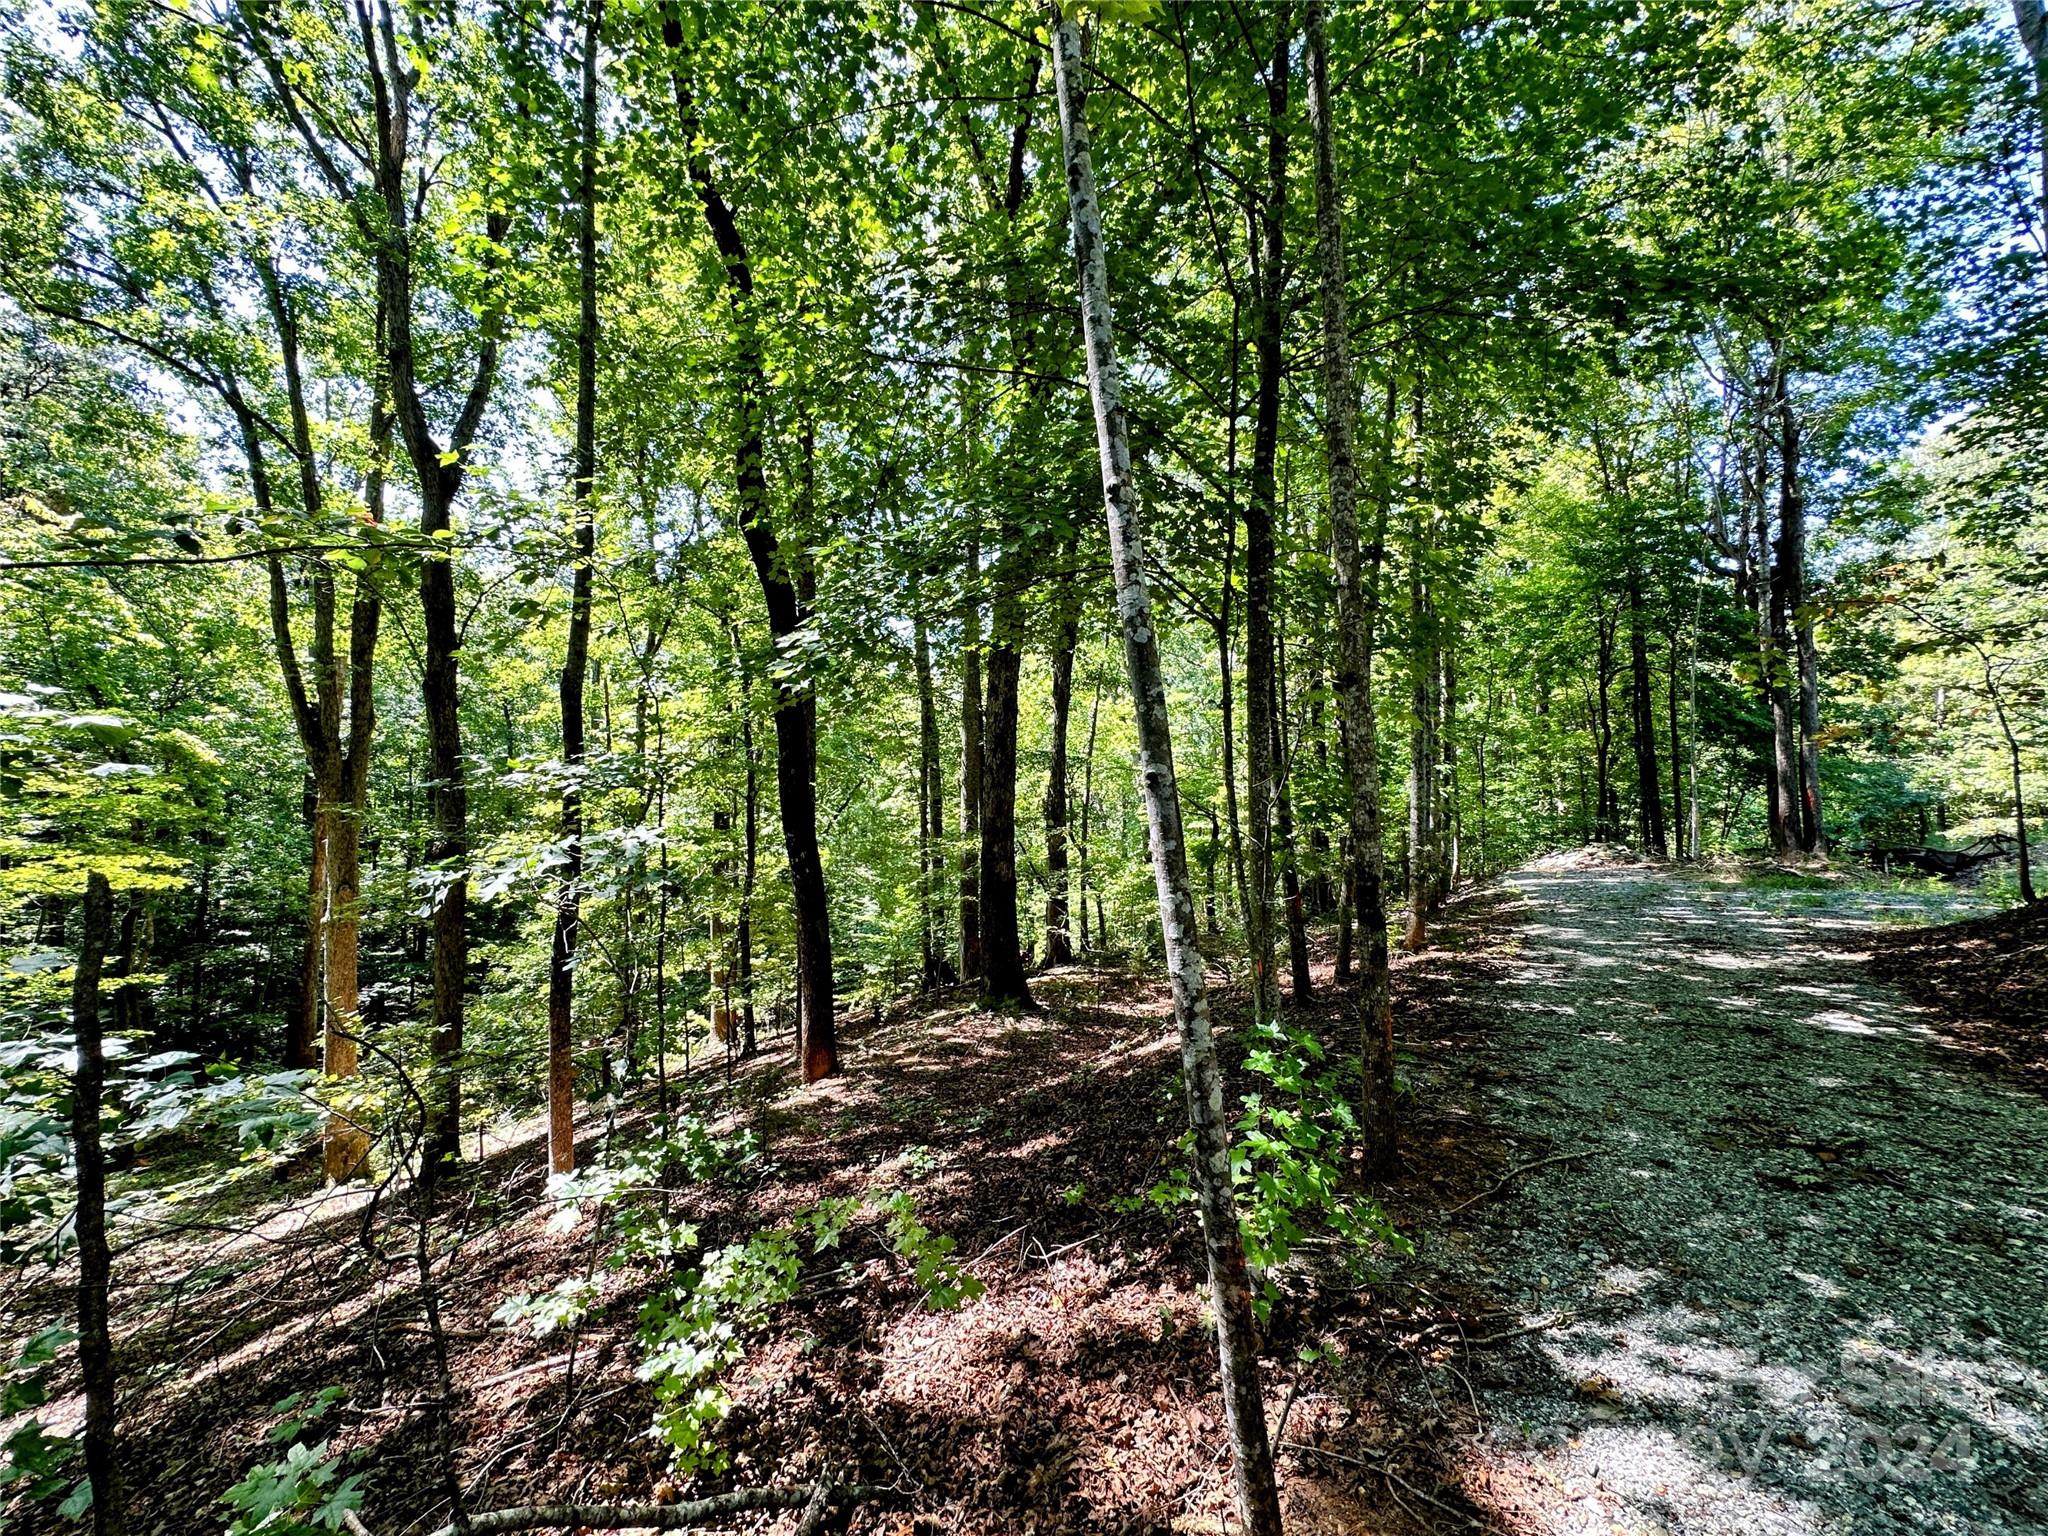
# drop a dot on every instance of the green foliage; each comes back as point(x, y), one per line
point(1289, 1159)
point(301, 1495)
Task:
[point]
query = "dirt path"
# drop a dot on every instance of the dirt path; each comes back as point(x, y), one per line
point(1803, 1262)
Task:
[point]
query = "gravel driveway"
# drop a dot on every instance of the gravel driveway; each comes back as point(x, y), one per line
point(1803, 1264)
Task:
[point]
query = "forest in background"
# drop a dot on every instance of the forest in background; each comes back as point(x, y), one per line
point(552, 549)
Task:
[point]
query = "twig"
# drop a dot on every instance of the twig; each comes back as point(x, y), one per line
point(667, 1517)
point(1515, 1173)
point(1517, 1333)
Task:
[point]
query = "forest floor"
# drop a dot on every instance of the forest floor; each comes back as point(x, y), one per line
point(1710, 1238)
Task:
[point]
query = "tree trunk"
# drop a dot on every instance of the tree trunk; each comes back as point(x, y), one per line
point(1643, 726)
point(1450, 825)
point(1086, 843)
point(796, 752)
point(302, 1047)
point(1357, 581)
point(1002, 946)
point(95, 1259)
point(1300, 985)
point(1261, 724)
point(971, 768)
point(2019, 803)
point(1244, 1411)
point(1680, 843)
point(1059, 944)
point(1792, 560)
point(1421, 722)
point(568, 904)
point(931, 808)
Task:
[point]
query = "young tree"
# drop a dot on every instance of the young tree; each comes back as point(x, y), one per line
point(1229, 1282)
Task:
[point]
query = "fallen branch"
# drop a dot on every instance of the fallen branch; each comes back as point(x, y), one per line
point(815, 1502)
point(1515, 1173)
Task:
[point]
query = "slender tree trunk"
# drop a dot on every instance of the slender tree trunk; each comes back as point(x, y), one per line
point(1086, 843)
point(1244, 1410)
point(1262, 726)
point(575, 664)
point(971, 768)
point(930, 806)
point(1792, 560)
point(95, 1259)
point(1680, 845)
point(302, 1049)
point(1357, 582)
point(2019, 803)
point(1421, 716)
point(1002, 957)
point(1300, 984)
point(796, 746)
point(1643, 726)
point(1059, 944)
point(750, 864)
point(1450, 824)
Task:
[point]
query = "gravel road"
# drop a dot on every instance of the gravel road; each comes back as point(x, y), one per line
point(1803, 1264)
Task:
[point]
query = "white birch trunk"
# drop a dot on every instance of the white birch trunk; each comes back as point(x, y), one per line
point(1229, 1283)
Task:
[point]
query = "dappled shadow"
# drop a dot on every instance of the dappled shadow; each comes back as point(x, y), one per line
point(1795, 1281)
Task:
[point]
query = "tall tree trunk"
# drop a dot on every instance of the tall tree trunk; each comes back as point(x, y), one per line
point(796, 747)
point(1606, 819)
point(95, 1259)
point(1261, 718)
point(931, 808)
point(750, 863)
point(1230, 1293)
point(568, 904)
point(1421, 721)
point(2019, 803)
point(1357, 581)
point(1643, 726)
point(1059, 944)
point(1300, 985)
point(1002, 945)
point(971, 767)
point(1086, 840)
point(1806, 659)
point(1680, 843)
point(1452, 823)
point(302, 1045)
point(1774, 653)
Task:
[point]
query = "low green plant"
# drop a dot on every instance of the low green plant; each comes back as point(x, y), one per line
point(304, 1493)
point(1287, 1159)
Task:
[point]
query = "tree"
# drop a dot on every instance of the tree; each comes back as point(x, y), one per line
point(1229, 1286)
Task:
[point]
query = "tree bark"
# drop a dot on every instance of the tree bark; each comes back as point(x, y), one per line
point(1421, 722)
point(1002, 946)
point(1229, 1281)
point(1643, 726)
point(1059, 944)
point(95, 1259)
point(1261, 720)
point(1300, 984)
point(576, 662)
point(1356, 577)
point(931, 809)
point(1792, 560)
point(971, 768)
point(795, 706)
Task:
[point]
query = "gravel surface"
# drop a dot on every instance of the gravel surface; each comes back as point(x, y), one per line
point(1800, 1267)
